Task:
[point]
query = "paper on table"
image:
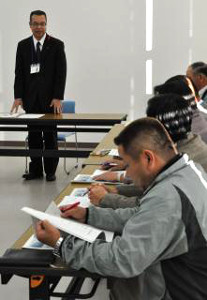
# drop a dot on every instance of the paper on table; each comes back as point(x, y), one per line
point(83, 178)
point(114, 152)
point(86, 178)
point(34, 243)
point(84, 201)
point(82, 231)
point(98, 172)
point(20, 115)
point(30, 116)
point(79, 192)
point(9, 115)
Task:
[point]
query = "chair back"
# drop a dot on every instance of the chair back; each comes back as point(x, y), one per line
point(68, 106)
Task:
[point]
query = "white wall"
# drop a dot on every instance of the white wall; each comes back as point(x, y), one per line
point(105, 47)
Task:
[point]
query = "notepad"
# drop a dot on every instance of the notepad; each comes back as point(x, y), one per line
point(83, 178)
point(82, 231)
point(84, 201)
point(86, 178)
point(79, 192)
point(34, 243)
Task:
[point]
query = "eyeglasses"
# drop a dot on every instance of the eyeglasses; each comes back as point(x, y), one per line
point(43, 24)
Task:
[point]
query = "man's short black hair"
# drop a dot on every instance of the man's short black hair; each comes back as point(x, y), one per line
point(174, 112)
point(177, 85)
point(37, 13)
point(145, 133)
point(196, 65)
point(201, 70)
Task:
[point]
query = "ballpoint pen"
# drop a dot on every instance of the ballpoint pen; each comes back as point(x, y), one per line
point(91, 164)
point(109, 164)
point(64, 208)
point(85, 193)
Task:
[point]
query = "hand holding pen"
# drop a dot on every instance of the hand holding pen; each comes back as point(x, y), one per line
point(77, 213)
point(73, 211)
point(64, 208)
point(85, 193)
point(67, 207)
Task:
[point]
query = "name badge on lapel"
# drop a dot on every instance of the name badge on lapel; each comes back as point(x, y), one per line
point(34, 68)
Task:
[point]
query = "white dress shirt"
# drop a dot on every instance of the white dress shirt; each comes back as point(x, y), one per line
point(35, 41)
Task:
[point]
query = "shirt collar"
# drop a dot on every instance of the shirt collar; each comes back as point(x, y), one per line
point(41, 41)
point(171, 162)
point(202, 91)
point(177, 162)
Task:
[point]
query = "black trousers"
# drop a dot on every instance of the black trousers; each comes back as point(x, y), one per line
point(42, 138)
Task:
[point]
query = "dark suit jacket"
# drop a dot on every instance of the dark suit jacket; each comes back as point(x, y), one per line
point(46, 85)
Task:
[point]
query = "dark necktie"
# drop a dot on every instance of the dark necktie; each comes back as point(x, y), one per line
point(38, 52)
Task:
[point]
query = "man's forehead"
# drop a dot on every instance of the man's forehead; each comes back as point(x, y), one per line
point(38, 17)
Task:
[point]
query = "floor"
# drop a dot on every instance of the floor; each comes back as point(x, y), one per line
point(16, 193)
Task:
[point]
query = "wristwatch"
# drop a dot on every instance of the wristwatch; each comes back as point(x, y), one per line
point(57, 248)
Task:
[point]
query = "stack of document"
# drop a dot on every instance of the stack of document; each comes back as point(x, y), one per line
point(86, 178)
point(52, 214)
point(82, 231)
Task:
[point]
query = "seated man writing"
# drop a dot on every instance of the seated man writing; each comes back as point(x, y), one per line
point(175, 113)
point(161, 250)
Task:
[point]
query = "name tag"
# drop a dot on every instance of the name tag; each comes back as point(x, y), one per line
point(34, 68)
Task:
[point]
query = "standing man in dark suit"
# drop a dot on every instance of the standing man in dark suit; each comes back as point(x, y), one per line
point(40, 76)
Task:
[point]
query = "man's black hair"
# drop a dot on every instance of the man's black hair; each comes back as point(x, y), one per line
point(145, 133)
point(196, 65)
point(177, 85)
point(37, 13)
point(201, 70)
point(173, 112)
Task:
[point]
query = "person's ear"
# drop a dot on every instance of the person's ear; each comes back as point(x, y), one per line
point(148, 154)
point(148, 157)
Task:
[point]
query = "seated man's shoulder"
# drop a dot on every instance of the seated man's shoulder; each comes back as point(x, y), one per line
point(163, 195)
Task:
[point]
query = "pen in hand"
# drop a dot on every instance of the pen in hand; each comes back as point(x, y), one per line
point(85, 193)
point(64, 208)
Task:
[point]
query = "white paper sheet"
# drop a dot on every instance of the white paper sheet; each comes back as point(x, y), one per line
point(30, 116)
point(114, 152)
point(9, 115)
point(84, 201)
point(82, 231)
point(79, 192)
point(86, 178)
